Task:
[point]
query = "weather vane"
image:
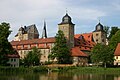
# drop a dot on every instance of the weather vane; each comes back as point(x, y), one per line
point(66, 10)
point(99, 19)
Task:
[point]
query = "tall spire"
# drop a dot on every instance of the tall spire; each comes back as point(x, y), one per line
point(44, 33)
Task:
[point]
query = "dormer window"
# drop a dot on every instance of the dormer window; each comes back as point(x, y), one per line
point(89, 36)
point(81, 37)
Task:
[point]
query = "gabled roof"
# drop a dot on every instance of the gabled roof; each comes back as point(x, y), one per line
point(117, 51)
point(87, 36)
point(33, 41)
point(77, 52)
point(84, 41)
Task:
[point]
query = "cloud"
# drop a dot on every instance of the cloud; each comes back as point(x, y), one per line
point(83, 12)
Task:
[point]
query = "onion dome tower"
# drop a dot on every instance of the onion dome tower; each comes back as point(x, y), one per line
point(99, 35)
point(68, 29)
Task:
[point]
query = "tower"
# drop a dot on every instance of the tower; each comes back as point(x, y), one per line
point(27, 33)
point(68, 29)
point(44, 33)
point(21, 31)
point(99, 35)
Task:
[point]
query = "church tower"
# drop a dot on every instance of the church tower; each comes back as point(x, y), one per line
point(99, 35)
point(44, 33)
point(68, 29)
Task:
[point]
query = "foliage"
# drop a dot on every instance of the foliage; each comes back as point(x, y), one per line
point(33, 57)
point(60, 51)
point(19, 70)
point(114, 40)
point(102, 53)
point(106, 29)
point(113, 31)
point(40, 69)
point(5, 46)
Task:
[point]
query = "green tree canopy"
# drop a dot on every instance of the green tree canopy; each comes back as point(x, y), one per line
point(60, 51)
point(102, 53)
point(113, 31)
point(106, 29)
point(5, 46)
point(114, 40)
point(33, 57)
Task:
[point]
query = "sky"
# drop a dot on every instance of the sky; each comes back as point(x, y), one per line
point(85, 14)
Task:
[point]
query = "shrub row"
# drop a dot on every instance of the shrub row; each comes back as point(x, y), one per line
point(22, 69)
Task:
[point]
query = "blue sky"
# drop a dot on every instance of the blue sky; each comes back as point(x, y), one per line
point(85, 14)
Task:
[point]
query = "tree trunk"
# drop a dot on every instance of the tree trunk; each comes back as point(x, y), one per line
point(105, 65)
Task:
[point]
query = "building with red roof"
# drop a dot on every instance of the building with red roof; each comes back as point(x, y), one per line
point(13, 60)
point(24, 46)
point(117, 55)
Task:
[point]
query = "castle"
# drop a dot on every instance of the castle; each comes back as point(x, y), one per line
point(80, 44)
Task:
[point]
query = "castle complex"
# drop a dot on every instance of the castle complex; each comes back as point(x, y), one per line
point(79, 44)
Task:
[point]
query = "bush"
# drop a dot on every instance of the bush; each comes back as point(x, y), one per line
point(40, 69)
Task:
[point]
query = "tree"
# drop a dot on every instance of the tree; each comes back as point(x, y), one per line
point(113, 31)
point(33, 57)
point(114, 40)
point(5, 46)
point(106, 29)
point(102, 53)
point(60, 51)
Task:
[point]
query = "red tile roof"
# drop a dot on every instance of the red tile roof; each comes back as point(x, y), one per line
point(87, 36)
point(13, 56)
point(77, 52)
point(84, 41)
point(117, 51)
point(33, 41)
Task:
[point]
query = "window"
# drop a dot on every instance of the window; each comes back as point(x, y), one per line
point(102, 40)
point(44, 56)
point(81, 37)
point(21, 52)
point(49, 51)
point(116, 57)
point(96, 34)
point(11, 59)
point(89, 36)
point(96, 39)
